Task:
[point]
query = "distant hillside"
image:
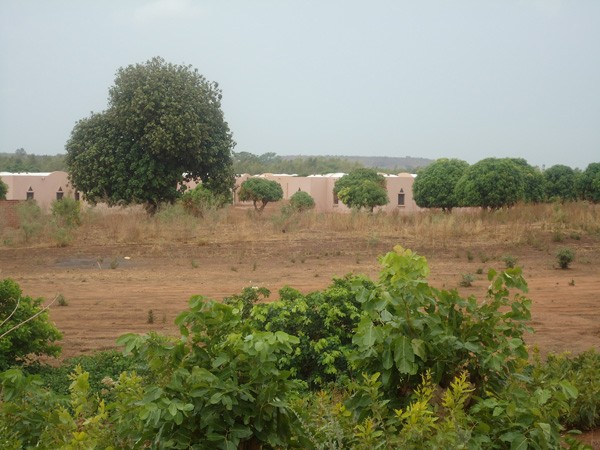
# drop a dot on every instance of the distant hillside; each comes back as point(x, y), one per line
point(407, 163)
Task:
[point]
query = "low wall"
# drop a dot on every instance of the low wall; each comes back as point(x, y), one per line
point(8, 213)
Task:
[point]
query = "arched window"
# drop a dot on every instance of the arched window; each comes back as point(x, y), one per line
point(401, 197)
point(29, 193)
point(59, 194)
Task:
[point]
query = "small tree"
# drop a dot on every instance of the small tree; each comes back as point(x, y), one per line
point(302, 201)
point(434, 185)
point(3, 190)
point(362, 188)
point(33, 337)
point(260, 191)
point(67, 211)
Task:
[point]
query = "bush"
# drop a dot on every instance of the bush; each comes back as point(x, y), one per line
point(302, 201)
point(67, 212)
point(30, 218)
point(199, 200)
point(509, 261)
point(33, 338)
point(565, 257)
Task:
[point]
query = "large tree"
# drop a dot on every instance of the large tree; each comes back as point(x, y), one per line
point(588, 183)
point(260, 191)
point(434, 185)
point(163, 126)
point(560, 183)
point(491, 183)
point(362, 188)
point(533, 181)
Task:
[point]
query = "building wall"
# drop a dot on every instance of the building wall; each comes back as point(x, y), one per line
point(43, 187)
point(320, 187)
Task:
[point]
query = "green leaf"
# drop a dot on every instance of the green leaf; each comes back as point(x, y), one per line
point(404, 356)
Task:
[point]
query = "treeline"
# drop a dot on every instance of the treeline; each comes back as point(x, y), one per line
point(245, 162)
point(494, 183)
point(21, 161)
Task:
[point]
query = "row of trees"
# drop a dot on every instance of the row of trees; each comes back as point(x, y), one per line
point(21, 161)
point(498, 182)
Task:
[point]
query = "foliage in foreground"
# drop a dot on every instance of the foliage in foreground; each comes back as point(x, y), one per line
point(32, 333)
point(436, 371)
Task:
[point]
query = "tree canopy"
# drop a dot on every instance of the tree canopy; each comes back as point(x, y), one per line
point(260, 190)
point(491, 183)
point(560, 183)
point(588, 183)
point(3, 190)
point(163, 126)
point(362, 188)
point(434, 185)
point(302, 201)
point(533, 181)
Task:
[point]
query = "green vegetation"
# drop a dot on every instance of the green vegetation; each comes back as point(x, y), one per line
point(25, 330)
point(408, 366)
point(435, 184)
point(3, 189)
point(302, 201)
point(560, 182)
point(588, 183)
point(491, 183)
point(199, 200)
point(565, 257)
point(30, 218)
point(362, 188)
point(20, 161)
point(163, 126)
point(260, 191)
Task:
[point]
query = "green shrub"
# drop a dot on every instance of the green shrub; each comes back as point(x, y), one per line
point(324, 323)
point(30, 218)
point(67, 212)
point(302, 201)
point(565, 257)
point(509, 261)
point(466, 280)
point(20, 340)
point(199, 200)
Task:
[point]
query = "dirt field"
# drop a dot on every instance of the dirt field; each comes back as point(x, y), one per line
point(106, 302)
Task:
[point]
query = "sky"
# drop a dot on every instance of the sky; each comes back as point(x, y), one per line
point(456, 79)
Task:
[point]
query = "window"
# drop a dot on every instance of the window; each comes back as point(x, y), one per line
point(30, 193)
point(59, 194)
point(336, 200)
point(401, 198)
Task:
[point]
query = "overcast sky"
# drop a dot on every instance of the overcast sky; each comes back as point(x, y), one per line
point(460, 79)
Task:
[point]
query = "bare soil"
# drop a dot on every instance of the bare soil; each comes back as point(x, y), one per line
point(109, 295)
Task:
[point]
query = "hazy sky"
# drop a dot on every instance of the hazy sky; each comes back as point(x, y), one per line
point(461, 79)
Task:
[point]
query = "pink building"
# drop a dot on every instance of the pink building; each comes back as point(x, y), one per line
point(43, 187)
point(320, 187)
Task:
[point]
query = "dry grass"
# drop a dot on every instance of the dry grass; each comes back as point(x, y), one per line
point(531, 225)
